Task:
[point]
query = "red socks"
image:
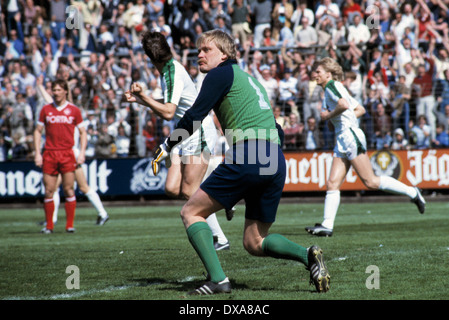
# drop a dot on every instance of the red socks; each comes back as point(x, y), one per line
point(49, 208)
point(70, 206)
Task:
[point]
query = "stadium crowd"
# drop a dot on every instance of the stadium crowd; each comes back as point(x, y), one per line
point(395, 54)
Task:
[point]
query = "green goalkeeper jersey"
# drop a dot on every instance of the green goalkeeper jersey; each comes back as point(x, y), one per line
point(240, 103)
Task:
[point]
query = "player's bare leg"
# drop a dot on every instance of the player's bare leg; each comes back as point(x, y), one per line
point(362, 166)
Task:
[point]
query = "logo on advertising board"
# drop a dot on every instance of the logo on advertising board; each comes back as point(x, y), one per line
point(143, 178)
point(386, 163)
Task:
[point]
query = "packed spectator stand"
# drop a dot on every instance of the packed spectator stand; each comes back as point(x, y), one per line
point(394, 54)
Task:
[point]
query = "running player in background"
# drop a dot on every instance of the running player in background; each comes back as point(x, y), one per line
point(342, 110)
point(59, 119)
point(254, 167)
point(189, 161)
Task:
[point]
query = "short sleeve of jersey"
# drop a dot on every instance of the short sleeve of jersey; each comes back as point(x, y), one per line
point(79, 121)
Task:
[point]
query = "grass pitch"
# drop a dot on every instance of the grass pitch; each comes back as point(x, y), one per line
point(379, 251)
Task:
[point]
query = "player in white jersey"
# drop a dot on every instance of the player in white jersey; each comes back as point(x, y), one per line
point(342, 111)
point(188, 163)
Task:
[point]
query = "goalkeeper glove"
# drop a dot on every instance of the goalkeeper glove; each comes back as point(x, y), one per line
point(161, 154)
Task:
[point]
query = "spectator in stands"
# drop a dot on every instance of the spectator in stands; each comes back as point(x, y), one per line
point(400, 101)
point(122, 142)
point(25, 79)
point(268, 40)
point(421, 132)
point(282, 12)
point(58, 18)
point(240, 19)
point(311, 96)
point(327, 10)
point(306, 37)
point(442, 138)
point(311, 137)
point(105, 39)
point(270, 84)
point(92, 138)
point(155, 9)
point(285, 37)
point(443, 117)
point(441, 60)
point(358, 32)
point(350, 8)
point(261, 10)
point(151, 139)
point(15, 46)
point(105, 147)
point(292, 133)
point(122, 40)
point(399, 140)
point(403, 50)
point(49, 43)
point(19, 150)
point(301, 10)
point(209, 12)
point(400, 23)
point(426, 100)
point(339, 33)
point(382, 120)
point(288, 92)
point(279, 117)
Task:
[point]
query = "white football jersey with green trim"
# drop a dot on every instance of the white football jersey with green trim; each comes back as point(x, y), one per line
point(333, 92)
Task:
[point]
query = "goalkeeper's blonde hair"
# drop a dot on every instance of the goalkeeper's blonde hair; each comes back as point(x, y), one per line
point(332, 66)
point(224, 42)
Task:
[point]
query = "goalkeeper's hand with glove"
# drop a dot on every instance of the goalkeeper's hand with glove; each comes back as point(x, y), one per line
point(162, 152)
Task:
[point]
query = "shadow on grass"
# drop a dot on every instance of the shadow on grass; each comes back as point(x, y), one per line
point(184, 286)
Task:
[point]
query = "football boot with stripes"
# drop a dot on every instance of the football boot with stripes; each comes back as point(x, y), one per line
point(213, 288)
point(319, 275)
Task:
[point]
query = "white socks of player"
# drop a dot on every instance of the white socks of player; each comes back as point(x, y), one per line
point(216, 229)
point(331, 204)
point(94, 198)
point(392, 185)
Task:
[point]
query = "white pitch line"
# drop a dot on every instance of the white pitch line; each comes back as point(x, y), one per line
point(75, 294)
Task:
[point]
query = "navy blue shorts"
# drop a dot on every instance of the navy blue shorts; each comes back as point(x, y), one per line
point(254, 171)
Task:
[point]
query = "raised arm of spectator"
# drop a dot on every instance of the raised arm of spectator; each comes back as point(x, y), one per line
point(40, 89)
point(72, 63)
point(18, 18)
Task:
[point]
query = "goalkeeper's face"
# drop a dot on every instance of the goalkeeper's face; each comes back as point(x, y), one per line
point(209, 56)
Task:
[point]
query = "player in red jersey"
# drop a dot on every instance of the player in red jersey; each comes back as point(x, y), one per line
point(59, 120)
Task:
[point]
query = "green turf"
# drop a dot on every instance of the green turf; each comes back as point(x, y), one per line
point(143, 253)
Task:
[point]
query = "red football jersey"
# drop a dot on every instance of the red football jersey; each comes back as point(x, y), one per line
point(60, 123)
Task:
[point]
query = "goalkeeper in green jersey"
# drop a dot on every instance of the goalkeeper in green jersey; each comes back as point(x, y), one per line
point(254, 167)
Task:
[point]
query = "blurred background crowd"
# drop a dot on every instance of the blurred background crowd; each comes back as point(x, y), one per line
point(394, 54)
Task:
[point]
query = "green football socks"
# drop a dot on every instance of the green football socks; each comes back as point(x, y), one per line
point(277, 246)
point(200, 236)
